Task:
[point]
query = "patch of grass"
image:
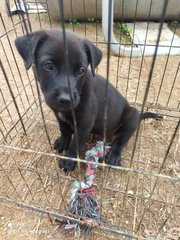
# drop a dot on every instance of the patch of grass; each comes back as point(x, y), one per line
point(123, 33)
point(93, 20)
point(77, 21)
point(174, 26)
point(123, 28)
point(74, 21)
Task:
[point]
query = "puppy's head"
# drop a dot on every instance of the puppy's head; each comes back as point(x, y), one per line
point(61, 73)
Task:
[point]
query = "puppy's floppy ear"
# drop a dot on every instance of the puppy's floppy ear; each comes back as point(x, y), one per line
point(28, 44)
point(94, 55)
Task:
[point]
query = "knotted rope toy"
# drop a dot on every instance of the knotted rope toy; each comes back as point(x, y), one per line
point(83, 204)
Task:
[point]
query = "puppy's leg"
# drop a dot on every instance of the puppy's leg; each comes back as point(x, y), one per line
point(130, 121)
point(63, 141)
point(83, 133)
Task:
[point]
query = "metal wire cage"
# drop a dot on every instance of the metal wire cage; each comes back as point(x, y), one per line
point(140, 199)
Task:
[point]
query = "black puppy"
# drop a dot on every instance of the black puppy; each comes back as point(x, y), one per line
point(46, 50)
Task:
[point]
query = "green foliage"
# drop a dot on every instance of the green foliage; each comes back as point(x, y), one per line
point(123, 33)
point(123, 28)
point(74, 21)
point(175, 23)
point(91, 20)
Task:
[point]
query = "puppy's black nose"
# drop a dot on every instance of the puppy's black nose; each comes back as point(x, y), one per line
point(64, 99)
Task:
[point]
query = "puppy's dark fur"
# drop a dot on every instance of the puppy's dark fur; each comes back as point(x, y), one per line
point(46, 50)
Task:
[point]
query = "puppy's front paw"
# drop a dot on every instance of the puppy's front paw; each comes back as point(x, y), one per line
point(59, 145)
point(114, 159)
point(67, 165)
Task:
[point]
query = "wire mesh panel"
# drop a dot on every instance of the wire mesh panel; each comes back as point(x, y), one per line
point(140, 198)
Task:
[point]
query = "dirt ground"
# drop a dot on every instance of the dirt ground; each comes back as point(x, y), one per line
point(134, 202)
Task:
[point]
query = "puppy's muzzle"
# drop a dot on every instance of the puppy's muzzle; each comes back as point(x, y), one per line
point(64, 99)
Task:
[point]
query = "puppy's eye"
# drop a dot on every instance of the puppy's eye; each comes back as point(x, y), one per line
point(81, 71)
point(49, 66)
